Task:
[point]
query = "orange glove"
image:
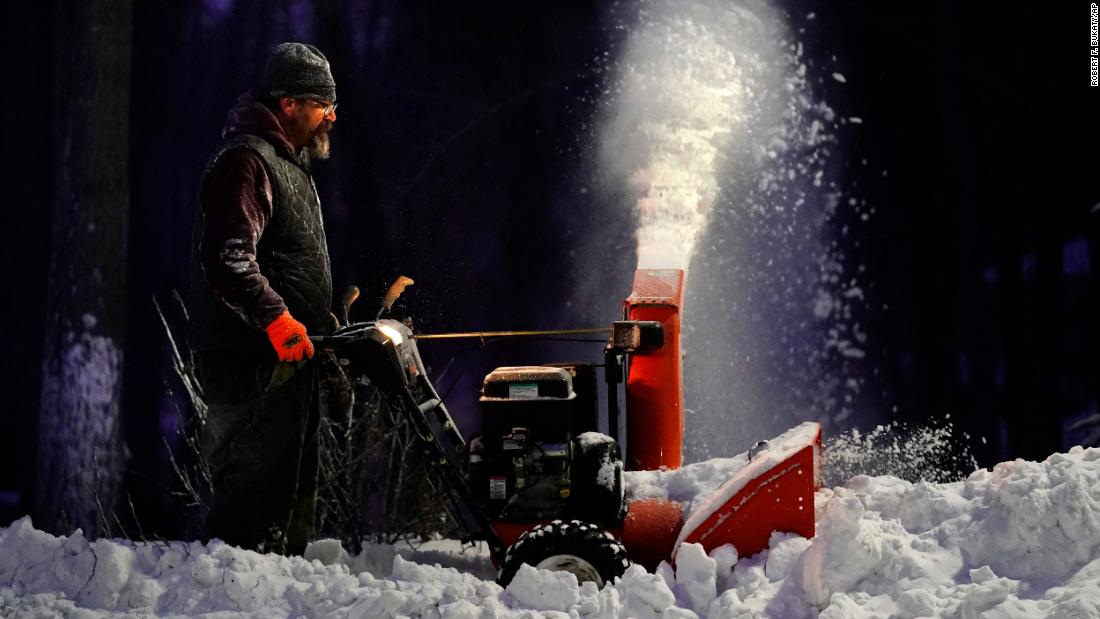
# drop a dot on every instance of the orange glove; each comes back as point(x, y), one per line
point(289, 338)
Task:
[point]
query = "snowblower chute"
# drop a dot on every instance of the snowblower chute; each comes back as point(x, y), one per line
point(654, 384)
point(543, 487)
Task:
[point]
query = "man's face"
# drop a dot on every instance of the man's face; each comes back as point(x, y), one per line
point(308, 124)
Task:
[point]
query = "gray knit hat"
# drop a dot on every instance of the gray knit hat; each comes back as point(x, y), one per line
point(298, 70)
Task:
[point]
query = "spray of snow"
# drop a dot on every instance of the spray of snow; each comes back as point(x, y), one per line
point(681, 93)
point(932, 452)
point(1020, 540)
point(714, 125)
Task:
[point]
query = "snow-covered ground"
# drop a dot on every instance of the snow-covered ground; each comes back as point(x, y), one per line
point(1022, 540)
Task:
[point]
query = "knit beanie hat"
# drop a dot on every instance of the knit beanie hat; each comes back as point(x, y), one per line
point(298, 70)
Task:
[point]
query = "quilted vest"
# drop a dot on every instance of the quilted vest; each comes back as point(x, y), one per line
point(292, 254)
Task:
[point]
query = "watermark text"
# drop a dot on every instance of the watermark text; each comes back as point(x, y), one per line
point(1094, 45)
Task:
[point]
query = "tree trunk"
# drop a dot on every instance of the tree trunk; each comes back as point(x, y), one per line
point(80, 456)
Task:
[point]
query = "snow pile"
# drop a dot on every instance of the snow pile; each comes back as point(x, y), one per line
point(688, 485)
point(1022, 540)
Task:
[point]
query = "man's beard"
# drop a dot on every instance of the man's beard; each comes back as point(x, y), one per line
point(318, 146)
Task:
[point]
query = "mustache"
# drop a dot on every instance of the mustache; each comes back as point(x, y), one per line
point(323, 128)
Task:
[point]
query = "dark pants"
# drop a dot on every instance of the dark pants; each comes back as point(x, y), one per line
point(260, 441)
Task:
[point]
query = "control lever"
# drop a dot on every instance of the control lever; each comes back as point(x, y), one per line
point(351, 293)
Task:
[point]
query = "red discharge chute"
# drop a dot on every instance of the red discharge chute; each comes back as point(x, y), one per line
point(654, 384)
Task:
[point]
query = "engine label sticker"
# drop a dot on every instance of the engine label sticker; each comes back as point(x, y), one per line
point(498, 488)
point(523, 391)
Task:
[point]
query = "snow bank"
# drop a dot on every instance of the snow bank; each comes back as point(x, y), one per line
point(1022, 540)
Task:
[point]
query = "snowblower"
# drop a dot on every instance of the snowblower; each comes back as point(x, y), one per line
point(542, 486)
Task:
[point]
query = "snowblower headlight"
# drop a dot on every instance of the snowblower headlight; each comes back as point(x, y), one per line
point(393, 334)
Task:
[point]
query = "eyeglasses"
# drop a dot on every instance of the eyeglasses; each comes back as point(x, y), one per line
point(328, 108)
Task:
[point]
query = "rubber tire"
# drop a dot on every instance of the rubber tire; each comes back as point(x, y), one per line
point(569, 537)
point(588, 500)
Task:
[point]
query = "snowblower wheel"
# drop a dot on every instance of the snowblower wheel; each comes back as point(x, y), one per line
point(596, 480)
point(581, 548)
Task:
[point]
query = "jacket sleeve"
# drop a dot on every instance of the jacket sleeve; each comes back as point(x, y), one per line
point(236, 205)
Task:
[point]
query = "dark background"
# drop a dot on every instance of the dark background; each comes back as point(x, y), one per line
point(466, 140)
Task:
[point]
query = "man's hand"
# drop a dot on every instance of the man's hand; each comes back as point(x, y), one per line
point(289, 338)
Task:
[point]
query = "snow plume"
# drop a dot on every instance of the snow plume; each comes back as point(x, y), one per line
point(729, 153)
point(682, 88)
point(716, 138)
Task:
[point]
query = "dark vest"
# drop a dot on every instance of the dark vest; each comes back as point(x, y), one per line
point(292, 254)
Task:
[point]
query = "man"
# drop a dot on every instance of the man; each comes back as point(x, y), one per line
point(261, 283)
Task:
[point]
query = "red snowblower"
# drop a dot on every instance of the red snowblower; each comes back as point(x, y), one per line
point(542, 486)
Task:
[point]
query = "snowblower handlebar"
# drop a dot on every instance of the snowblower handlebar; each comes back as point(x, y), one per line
point(625, 335)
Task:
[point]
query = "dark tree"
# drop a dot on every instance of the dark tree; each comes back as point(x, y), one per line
point(80, 456)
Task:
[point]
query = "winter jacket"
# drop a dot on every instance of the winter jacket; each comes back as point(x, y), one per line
point(258, 247)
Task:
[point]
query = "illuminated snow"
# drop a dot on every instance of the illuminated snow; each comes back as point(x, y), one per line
point(1020, 540)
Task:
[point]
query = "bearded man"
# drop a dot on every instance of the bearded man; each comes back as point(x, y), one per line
point(261, 284)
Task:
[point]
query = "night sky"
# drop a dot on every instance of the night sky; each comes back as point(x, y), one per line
point(466, 155)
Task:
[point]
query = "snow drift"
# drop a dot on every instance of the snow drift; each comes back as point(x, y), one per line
point(1021, 540)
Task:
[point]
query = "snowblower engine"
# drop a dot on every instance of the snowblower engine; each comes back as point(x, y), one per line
point(539, 455)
